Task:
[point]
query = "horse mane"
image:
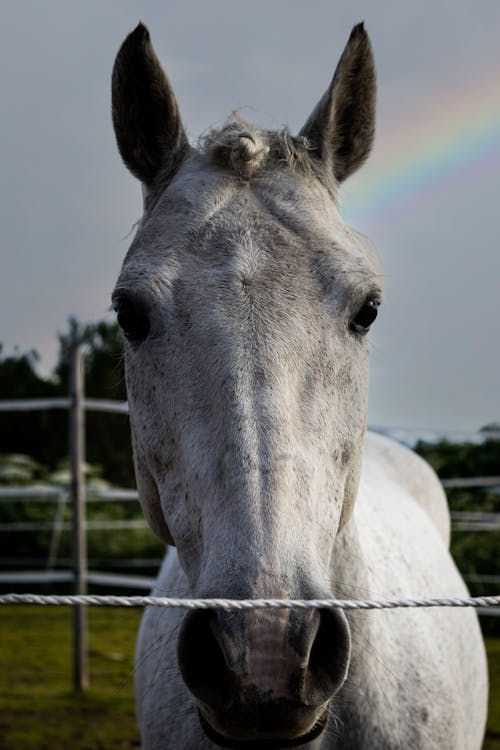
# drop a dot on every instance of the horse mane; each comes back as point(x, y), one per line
point(246, 149)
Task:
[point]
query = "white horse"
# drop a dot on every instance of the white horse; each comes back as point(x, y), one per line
point(246, 304)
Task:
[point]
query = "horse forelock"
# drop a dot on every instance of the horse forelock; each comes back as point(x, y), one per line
point(243, 147)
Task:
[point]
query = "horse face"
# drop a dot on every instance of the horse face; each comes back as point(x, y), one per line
point(245, 303)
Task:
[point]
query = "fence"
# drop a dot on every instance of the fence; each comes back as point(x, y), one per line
point(79, 574)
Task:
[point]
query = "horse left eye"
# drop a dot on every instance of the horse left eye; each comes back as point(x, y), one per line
point(365, 317)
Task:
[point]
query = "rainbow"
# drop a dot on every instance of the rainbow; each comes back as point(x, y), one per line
point(449, 146)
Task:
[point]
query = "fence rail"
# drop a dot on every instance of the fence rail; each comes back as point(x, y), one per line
point(42, 404)
point(107, 578)
point(21, 526)
point(34, 404)
point(473, 522)
point(470, 482)
point(42, 494)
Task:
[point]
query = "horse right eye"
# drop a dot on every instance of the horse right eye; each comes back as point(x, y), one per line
point(133, 320)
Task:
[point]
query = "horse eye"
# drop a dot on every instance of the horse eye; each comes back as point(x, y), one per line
point(133, 320)
point(365, 317)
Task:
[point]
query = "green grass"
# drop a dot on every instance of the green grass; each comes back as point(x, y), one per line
point(39, 710)
point(492, 741)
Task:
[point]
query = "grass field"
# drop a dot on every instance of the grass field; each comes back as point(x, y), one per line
point(39, 711)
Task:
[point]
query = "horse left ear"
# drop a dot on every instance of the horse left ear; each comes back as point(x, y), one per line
point(341, 128)
point(146, 119)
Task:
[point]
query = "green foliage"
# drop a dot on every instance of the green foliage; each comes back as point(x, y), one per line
point(467, 459)
point(17, 470)
point(103, 545)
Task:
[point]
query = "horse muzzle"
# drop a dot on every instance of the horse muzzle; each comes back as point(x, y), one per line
point(264, 678)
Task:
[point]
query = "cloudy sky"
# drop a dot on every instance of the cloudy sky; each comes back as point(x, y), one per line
point(428, 199)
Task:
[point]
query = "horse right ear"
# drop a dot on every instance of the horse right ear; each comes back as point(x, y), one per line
point(146, 118)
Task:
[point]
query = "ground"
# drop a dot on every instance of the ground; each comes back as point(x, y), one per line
point(39, 710)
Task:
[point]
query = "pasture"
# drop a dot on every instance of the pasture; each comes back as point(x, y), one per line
point(38, 709)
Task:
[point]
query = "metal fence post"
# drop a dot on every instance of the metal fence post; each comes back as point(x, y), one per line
point(77, 459)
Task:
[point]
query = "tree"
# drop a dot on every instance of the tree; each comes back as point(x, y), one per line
point(39, 434)
point(44, 434)
point(107, 435)
point(102, 344)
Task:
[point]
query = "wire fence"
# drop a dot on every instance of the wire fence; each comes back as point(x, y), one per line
point(232, 605)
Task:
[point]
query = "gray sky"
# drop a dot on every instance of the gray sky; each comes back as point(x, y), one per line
point(428, 199)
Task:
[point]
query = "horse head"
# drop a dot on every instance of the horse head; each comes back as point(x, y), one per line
point(245, 303)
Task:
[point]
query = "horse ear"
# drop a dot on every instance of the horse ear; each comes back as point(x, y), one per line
point(146, 117)
point(341, 128)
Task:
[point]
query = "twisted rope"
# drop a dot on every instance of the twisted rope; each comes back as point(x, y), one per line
point(244, 604)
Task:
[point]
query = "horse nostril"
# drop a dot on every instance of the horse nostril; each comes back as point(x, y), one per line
point(328, 658)
point(201, 660)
